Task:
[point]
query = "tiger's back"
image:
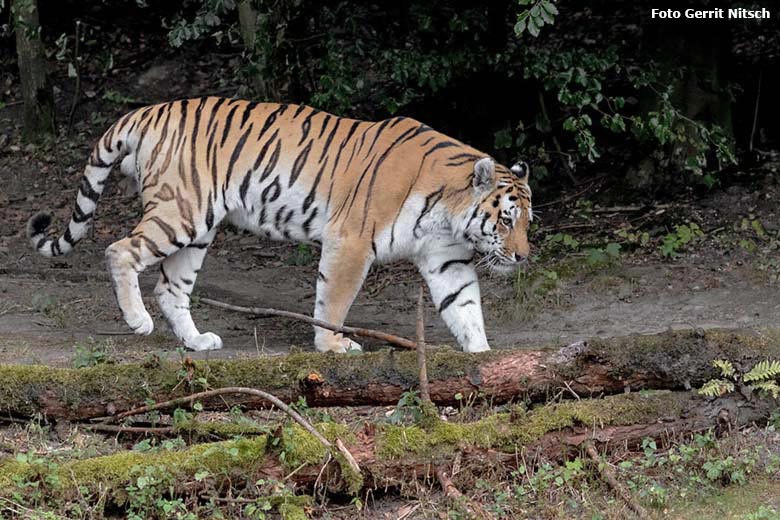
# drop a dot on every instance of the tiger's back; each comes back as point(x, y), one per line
point(365, 190)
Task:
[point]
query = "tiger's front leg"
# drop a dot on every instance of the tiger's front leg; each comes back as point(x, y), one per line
point(343, 268)
point(449, 271)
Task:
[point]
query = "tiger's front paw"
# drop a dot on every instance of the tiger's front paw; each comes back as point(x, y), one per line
point(141, 323)
point(338, 344)
point(205, 341)
point(480, 347)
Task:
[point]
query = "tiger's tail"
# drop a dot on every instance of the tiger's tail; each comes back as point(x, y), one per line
point(110, 148)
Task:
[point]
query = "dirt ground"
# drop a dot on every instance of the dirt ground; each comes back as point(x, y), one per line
point(47, 308)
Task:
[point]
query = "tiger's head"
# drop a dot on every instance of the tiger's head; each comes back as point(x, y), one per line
point(497, 225)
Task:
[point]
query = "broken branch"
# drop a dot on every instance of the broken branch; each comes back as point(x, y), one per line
point(344, 329)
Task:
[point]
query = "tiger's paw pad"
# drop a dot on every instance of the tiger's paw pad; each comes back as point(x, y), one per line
point(205, 341)
point(141, 324)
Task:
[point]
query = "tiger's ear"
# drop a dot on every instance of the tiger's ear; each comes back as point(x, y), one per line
point(521, 170)
point(484, 174)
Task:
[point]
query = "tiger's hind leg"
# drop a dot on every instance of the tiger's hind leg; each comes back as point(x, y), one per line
point(151, 241)
point(177, 279)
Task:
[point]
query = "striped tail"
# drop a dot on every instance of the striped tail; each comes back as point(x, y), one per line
point(105, 154)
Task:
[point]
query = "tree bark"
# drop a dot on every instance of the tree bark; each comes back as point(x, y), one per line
point(670, 360)
point(39, 112)
point(248, 27)
point(391, 455)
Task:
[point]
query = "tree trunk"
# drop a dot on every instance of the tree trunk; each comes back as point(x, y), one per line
point(248, 27)
point(36, 90)
point(391, 455)
point(670, 360)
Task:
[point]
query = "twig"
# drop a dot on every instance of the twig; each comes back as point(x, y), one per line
point(425, 395)
point(566, 198)
point(77, 88)
point(566, 165)
point(344, 329)
point(755, 110)
point(163, 430)
point(454, 493)
point(246, 391)
point(609, 475)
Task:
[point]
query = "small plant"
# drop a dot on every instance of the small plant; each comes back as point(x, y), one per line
point(408, 408)
point(89, 355)
point(603, 255)
point(762, 378)
point(683, 235)
point(301, 256)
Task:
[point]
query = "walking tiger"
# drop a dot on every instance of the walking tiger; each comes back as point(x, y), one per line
point(366, 191)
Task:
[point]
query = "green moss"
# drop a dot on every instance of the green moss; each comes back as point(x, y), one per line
point(220, 429)
point(290, 511)
point(113, 473)
point(301, 447)
point(508, 431)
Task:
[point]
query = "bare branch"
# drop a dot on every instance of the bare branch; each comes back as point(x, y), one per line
point(344, 329)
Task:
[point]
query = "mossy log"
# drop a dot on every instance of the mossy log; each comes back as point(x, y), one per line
point(391, 455)
point(670, 360)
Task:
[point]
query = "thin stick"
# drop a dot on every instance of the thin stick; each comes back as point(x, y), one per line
point(163, 430)
point(755, 110)
point(77, 88)
point(356, 331)
point(609, 475)
point(425, 395)
point(246, 391)
point(454, 493)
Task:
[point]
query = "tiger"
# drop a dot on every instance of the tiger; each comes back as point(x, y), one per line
point(364, 191)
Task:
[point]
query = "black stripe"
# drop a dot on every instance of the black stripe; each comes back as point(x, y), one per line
point(266, 196)
point(449, 263)
point(228, 122)
point(209, 215)
point(450, 298)
point(325, 122)
point(193, 163)
point(307, 202)
point(168, 230)
point(247, 111)
point(244, 187)
point(269, 168)
point(326, 146)
point(299, 163)
point(85, 188)
point(308, 221)
point(214, 113)
point(439, 146)
point(79, 216)
point(306, 126)
point(236, 153)
point(430, 201)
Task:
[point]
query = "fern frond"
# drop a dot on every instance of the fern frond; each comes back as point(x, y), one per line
point(762, 371)
point(766, 387)
point(725, 366)
point(716, 388)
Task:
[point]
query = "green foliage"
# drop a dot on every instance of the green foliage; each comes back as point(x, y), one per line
point(763, 377)
point(89, 355)
point(409, 408)
point(603, 255)
point(683, 235)
point(535, 17)
point(302, 255)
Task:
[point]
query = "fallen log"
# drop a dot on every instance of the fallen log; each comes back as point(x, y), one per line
point(673, 360)
point(393, 455)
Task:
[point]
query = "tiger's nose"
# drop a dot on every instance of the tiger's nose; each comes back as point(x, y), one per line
point(519, 258)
